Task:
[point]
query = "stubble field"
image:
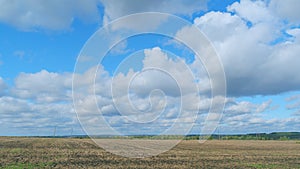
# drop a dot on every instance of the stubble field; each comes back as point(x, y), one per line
point(83, 153)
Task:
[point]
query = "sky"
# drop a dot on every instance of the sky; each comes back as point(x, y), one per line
point(190, 67)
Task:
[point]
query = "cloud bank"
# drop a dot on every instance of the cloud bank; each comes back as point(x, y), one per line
point(258, 44)
point(257, 41)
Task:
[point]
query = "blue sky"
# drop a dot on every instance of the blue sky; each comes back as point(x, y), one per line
point(257, 42)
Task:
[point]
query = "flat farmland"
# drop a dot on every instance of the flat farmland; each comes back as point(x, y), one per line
point(17, 152)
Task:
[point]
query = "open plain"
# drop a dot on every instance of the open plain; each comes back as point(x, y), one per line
point(18, 152)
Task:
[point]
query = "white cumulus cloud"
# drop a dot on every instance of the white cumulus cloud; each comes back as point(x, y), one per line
point(257, 57)
point(52, 15)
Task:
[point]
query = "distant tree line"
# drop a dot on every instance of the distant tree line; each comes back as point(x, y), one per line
point(258, 136)
point(252, 136)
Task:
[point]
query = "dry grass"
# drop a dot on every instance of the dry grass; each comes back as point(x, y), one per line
point(83, 153)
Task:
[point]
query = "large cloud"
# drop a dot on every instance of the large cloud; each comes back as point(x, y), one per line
point(43, 86)
point(115, 9)
point(21, 116)
point(287, 10)
point(53, 15)
point(58, 15)
point(257, 57)
point(38, 103)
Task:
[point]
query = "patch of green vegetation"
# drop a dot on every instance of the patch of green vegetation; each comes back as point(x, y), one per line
point(28, 165)
point(262, 166)
point(16, 150)
point(284, 138)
